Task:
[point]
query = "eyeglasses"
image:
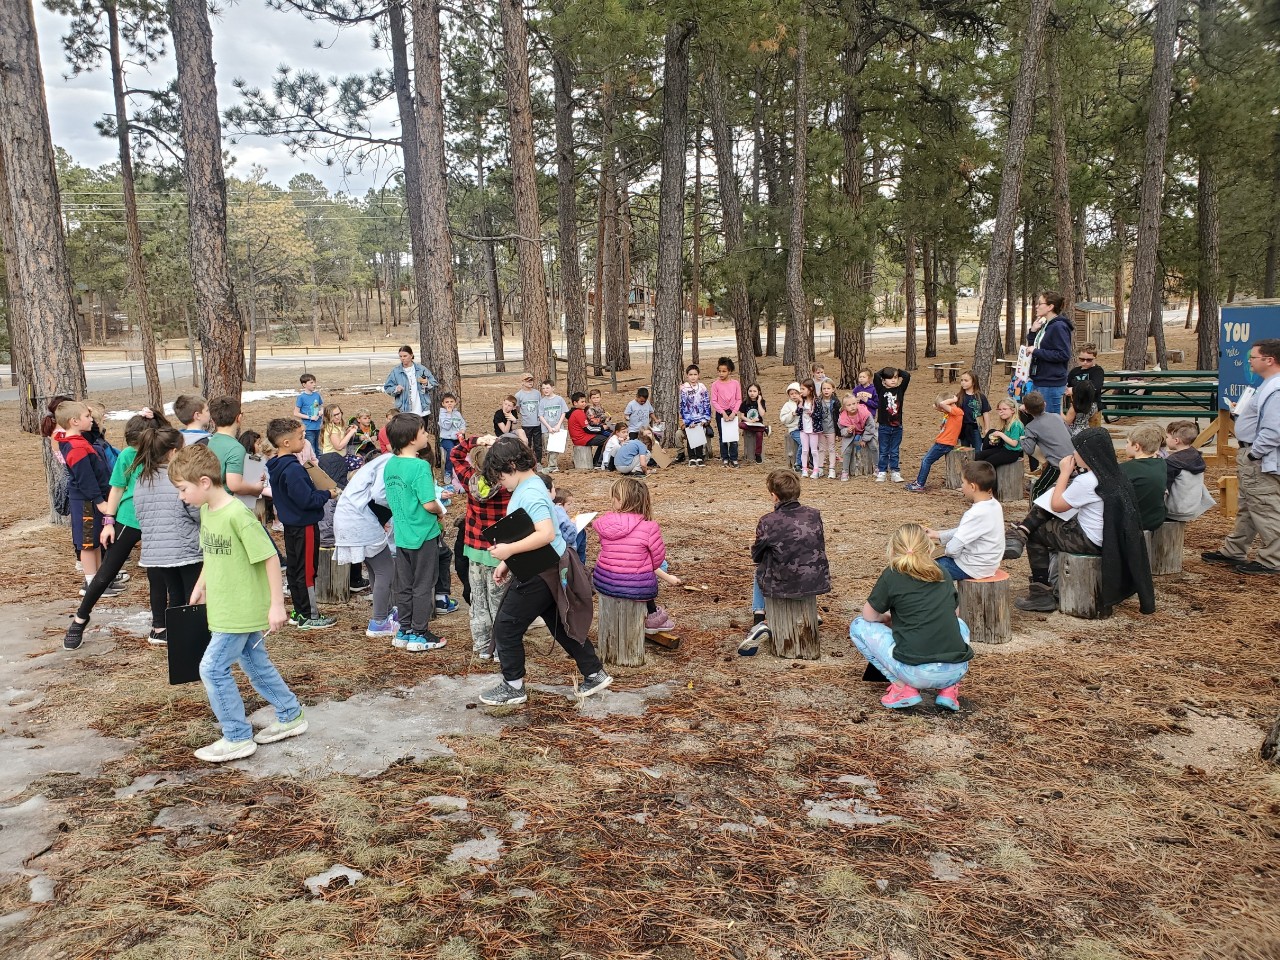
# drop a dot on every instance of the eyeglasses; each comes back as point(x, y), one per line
point(1087, 359)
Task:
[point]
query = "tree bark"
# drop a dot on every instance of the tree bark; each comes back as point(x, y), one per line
point(668, 354)
point(575, 320)
point(910, 361)
point(953, 308)
point(21, 374)
point(1271, 268)
point(930, 300)
point(535, 322)
point(217, 315)
point(1118, 229)
point(1064, 246)
point(1152, 194)
point(1010, 306)
point(695, 247)
point(798, 320)
point(1020, 116)
point(733, 227)
point(437, 318)
point(1209, 276)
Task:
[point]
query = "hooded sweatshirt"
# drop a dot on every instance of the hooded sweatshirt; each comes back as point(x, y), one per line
point(297, 501)
point(631, 549)
point(1186, 497)
point(1053, 353)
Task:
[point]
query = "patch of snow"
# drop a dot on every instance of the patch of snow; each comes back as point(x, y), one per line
point(321, 881)
point(487, 848)
point(852, 812)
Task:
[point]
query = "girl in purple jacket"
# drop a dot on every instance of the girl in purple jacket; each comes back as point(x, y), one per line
point(631, 551)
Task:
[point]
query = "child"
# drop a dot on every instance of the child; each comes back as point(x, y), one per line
point(865, 391)
point(809, 412)
point(1091, 504)
point(1081, 406)
point(754, 429)
point(384, 445)
point(943, 443)
point(790, 554)
point(637, 412)
point(360, 537)
point(789, 417)
point(170, 528)
point(551, 414)
point(89, 483)
point(612, 446)
point(726, 398)
point(580, 433)
point(226, 446)
point(240, 585)
point(336, 432)
point(597, 418)
point(416, 508)
point(192, 412)
point(695, 411)
point(909, 630)
point(973, 550)
point(1186, 497)
point(852, 422)
point(658, 427)
point(830, 406)
point(452, 425)
point(560, 595)
point(309, 408)
point(562, 499)
point(300, 506)
point(891, 387)
point(1002, 444)
point(486, 505)
point(817, 374)
point(527, 399)
point(1088, 369)
point(973, 403)
point(631, 551)
point(365, 440)
point(1045, 431)
point(1148, 473)
point(633, 456)
point(506, 419)
point(255, 446)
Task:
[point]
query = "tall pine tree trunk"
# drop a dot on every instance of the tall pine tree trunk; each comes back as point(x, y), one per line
point(217, 315)
point(535, 323)
point(1015, 151)
point(930, 301)
point(1120, 233)
point(1207, 227)
point(668, 354)
point(851, 328)
point(695, 246)
point(1144, 292)
point(798, 307)
point(575, 319)
point(1064, 248)
point(489, 268)
point(21, 374)
point(910, 361)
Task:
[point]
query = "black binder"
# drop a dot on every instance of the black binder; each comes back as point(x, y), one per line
point(187, 629)
point(513, 528)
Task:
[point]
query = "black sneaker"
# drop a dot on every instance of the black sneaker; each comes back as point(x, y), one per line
point(158, 638)
point(1039, 599)
point(593, 684)
point(504, 695)
point(1216, 556)
point(1253, 566)
point(360, 586)
point(75, 635)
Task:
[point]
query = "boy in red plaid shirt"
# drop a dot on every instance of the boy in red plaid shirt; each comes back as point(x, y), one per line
point(486, 505)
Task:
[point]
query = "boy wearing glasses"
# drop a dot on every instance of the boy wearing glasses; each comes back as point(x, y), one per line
point(1088, 369)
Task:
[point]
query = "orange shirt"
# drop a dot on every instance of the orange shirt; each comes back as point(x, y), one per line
point(950, 434)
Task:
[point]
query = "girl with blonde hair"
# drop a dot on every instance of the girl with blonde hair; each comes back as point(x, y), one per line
point(909, 630)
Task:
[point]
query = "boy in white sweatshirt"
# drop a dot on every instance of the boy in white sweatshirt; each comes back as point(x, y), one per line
point(791, 423)
point(974, 548)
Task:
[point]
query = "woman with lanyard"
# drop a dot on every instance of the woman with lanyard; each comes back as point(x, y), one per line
point(410, 385)
point(1042, 365)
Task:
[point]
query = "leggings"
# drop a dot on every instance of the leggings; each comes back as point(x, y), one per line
point(811, 452)
point(381, 567)
point(828, 452)
point(127, 538)
point(170, 587)
point(1000, 456)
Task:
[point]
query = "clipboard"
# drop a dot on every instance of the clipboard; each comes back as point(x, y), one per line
point(321, 479)
point(255, 471)
point(659, 457)
point(729, 431)
point(558, 442)
point(513, 528)
point(695, 436)
point(187, 630)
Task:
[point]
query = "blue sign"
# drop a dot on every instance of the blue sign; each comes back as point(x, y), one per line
point(1242, 324)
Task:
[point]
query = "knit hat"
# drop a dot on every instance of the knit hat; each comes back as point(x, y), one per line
point(793, 386)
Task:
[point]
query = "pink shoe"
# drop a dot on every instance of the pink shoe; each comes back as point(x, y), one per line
point(899, 695)
point(949, 697)
point(658, 621)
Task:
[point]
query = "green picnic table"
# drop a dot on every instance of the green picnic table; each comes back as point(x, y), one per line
point(1192, 394)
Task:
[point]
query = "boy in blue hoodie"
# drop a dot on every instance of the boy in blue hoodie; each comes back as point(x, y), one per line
point(299, 507)
point(89, 483)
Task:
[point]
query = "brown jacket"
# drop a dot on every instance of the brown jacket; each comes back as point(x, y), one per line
point(791, 552)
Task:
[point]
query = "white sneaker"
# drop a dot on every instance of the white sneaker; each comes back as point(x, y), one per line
point(880, 477)
point(220, 751)
point(897, 477)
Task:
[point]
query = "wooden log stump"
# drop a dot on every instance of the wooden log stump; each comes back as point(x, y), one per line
point(956, 459)
point(582, 457)
point(621, 631)
point(987, 609)
point(333, 579)
point(1164, 547)
point(1229, 489)
point(1080, 586)
point(1011, 481)
point(865, 459)
point(794, 624)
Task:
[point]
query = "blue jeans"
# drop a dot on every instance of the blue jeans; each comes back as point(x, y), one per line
point(953, 568)
point(757, 596)
point(580, 545)
point(875, 642)
point(1052, 398)
point(313, 438)
point(971, 436)
point(936, 453)
point(250, 651)
point(799, 442)
point(728, 451)
point(446, 448)
point(890, 440)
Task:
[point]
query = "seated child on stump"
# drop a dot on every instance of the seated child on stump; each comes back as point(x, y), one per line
point(790, 553)
point(972, 550)
point(1186, 497)
point(1148, 473)
point(631, 551)
point(944, 442)
point(908, 629)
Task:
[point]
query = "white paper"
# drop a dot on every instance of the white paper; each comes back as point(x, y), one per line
point(1046, 498)
point(558, 441)
point(728, 431)
point(255, 471)
point(695, 436)
point(582, 519)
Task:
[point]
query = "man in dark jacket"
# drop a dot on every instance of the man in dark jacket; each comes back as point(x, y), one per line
point(790, 553)
point(1051, 346)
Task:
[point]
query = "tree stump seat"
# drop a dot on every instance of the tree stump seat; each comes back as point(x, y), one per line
point(987, 609)
point(955, 460)
point(1011, 481)
point(621, 631)
point(794, 625)
point(1165, 547)
point(333, 579)
point(582, 457)
point(1080, 586)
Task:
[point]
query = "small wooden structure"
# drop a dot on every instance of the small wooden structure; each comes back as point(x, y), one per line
point(1011, 481)
point(1094, 323)
point(1164, 547)
point(1229, 489)
point(1080, 586)
point(956, 459)
point(794, 624)
point(582, 457)
point(621, 631)
point(951, 369)
point(333, 579)
point(985, 606)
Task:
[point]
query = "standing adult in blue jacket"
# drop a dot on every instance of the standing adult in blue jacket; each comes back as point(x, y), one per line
point(410, 385)
point(1051, 349)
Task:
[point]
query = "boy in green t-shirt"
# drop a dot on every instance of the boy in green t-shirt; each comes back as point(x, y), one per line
point(1147, 472)
point(416, 508)
point(224, 441)
point(240, 585)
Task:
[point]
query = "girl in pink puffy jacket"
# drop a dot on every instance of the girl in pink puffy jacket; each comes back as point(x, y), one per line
point(631, 551)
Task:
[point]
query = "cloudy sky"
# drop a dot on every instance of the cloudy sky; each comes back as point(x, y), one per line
point(249, 42)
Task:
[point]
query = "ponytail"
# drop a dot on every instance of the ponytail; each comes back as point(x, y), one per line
point(154, 447)
point(911, 553)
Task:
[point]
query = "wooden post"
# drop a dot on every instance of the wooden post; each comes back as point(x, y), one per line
point(956, 459)
point(1225, 431)
point(1164, 547)
point(333, 579)
point(1011, 481)
point(1229, 489)
point(986, 608)
point(582, 457)
point(1080, 586)
point(794, 624)
point(621, 631)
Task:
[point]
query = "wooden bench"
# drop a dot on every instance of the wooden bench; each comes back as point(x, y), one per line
point(1009, 365)
point(1189, 394)
point(955, 460)
point(621, 631)
point(986, 608)
point(333, 579)
point(1229, 490)
point(1165, 547)
point(1080, 586)
point(952, 370)
point(794, 625)
point(1011, 480)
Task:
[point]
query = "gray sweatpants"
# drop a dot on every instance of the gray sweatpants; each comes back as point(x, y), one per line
point(381, 567)
point(485, 598)
point(416, 573)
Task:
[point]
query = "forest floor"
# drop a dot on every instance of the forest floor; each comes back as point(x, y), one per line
point(1099, 795)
